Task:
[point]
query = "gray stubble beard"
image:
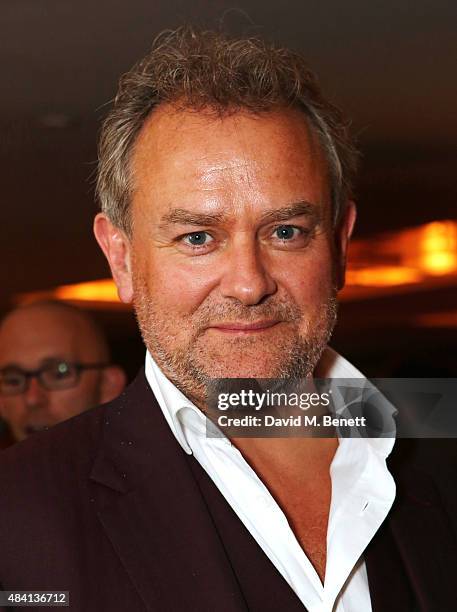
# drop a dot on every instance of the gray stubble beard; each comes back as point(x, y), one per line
point(182, 366)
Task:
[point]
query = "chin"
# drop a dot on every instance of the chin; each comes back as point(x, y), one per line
point(238, 371)
point(254, 367)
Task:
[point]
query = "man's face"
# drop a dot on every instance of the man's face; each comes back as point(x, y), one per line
point(30, 339)
point(232, 252)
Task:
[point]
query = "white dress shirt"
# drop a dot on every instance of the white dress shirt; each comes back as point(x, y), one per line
point(363, 491)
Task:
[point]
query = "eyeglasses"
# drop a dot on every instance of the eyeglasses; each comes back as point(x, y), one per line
point(53, 376)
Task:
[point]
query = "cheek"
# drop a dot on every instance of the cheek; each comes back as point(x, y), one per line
point(310, 280)
point(310, 284)
point(178, 288)
point(64, 404)
point(13, 410)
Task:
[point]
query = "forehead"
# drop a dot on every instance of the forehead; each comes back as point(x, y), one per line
point(189, 159)
point(29, 336)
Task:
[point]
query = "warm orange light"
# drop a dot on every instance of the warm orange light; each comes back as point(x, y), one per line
point(95, 291)
point(438, 246)
point(414, 255)
point(382, 276)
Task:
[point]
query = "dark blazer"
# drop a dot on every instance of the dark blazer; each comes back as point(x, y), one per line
point(109, 507)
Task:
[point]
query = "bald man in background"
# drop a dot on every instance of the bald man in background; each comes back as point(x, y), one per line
point(54, 364)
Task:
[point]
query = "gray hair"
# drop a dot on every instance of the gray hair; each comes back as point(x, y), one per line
point(207, 70)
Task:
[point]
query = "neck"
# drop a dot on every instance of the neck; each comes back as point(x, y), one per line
point(288, 459)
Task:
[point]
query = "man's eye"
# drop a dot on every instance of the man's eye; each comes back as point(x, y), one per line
point(12, 379)
point(287, 232)
point(197, 239)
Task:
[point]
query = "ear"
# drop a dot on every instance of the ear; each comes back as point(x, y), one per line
point(116, 247)
point(343, 233)
point(112, 383)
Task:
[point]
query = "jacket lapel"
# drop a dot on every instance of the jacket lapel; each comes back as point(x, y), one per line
point(263, 586)
point(153, 512)
point(411, 561)
point(389, 585)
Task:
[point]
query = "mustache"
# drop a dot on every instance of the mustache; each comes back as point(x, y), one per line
point(210, 313)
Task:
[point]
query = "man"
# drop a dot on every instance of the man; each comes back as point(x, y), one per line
point(225, 182)
point(54, 364)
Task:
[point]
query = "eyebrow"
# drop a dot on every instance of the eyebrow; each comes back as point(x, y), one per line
point(187, 217)
point(293, 210)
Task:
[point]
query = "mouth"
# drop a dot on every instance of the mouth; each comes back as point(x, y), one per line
point(33, 429)
point(242, 328)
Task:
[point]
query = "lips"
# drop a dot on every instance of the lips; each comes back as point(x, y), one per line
point(242, 327)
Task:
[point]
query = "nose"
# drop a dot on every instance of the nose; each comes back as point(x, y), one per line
point(245, 277)
point(35, 396)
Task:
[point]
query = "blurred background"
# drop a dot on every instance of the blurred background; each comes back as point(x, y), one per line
point(390, 64)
